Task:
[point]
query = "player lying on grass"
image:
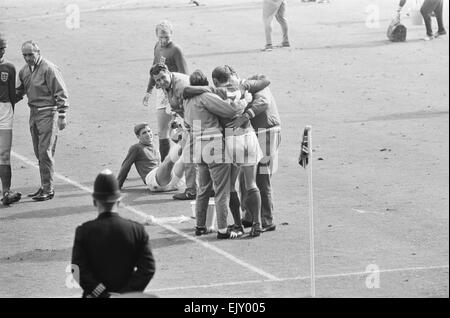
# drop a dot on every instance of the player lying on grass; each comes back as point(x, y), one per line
point(158, 176)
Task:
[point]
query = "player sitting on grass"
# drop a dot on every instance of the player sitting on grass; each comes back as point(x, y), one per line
point(158, 176)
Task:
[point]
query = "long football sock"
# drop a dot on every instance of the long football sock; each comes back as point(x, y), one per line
point(164, 147)
point(235, 208)
point(253, 205)
point(5, 176)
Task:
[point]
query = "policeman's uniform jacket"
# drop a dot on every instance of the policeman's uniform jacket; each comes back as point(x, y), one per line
point(112, 254)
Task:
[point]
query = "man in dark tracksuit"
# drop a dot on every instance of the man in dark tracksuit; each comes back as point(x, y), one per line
point(110, 254)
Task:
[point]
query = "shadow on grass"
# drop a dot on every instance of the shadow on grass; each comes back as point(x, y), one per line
point(39, 255)
point(51, 213)
point(174, 240)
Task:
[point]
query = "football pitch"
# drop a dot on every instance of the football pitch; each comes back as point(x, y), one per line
point(379, 114)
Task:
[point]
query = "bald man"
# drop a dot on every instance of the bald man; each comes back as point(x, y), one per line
point(47, 95)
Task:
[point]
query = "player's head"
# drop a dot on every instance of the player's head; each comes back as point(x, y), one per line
point(30, 52)
point(161, 75)
point(106, 193)
point(197, 78)
point(2, 46)
point(164, 31)
point(144, 133)
point(223, 74)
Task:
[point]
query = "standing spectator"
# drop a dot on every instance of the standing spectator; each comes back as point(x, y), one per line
point(173, 84)
point(44, 86)
point(275, 8)
point(111, 254)
point(7, 99)
point(168, 53)
point(428, 8)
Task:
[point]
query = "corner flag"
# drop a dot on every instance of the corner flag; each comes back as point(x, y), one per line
point(304, 151)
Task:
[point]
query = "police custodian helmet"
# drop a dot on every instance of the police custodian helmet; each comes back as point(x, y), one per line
point(106, 187)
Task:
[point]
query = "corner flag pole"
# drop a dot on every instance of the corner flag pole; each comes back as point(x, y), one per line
point(305, 159)
point(311, 216)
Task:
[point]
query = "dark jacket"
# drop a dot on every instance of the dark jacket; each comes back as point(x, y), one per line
point(112, 254)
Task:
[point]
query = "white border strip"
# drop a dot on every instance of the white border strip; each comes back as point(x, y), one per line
point(158, 222)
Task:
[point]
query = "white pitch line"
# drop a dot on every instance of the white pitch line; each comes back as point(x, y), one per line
point(295, 278)
point(381, 271)
point(298, 278)
point(158, 222)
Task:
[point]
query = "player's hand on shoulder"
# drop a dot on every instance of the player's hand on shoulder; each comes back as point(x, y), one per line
point(62, 123)
point(146, 99)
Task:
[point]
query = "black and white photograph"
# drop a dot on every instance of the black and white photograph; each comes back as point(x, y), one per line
point(224, 153)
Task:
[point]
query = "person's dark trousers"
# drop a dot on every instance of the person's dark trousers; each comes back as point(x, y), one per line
point(265, 189)
point(44, 134)
point(190, 171)
point(263, 182)
point(427, 8)
point(211, 175)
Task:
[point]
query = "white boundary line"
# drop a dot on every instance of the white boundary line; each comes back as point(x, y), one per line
point(298, 278)
point(157, 222)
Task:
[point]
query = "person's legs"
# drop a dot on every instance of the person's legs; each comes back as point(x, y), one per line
point(164, 171)
point(163, 132)
point(246, 215)
point(220, 173)
point(269, 140)
point(5, 168)
point(202, 200)
point(269, 10)
point(5, 152)
point(253, 202)
point(282, 20)
point(163, 119)
point(35, 135)
point(234, 198)
point(47, 126)
point(427, 8)
point(440, 21)
point(190, 170)
point(265, 189)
